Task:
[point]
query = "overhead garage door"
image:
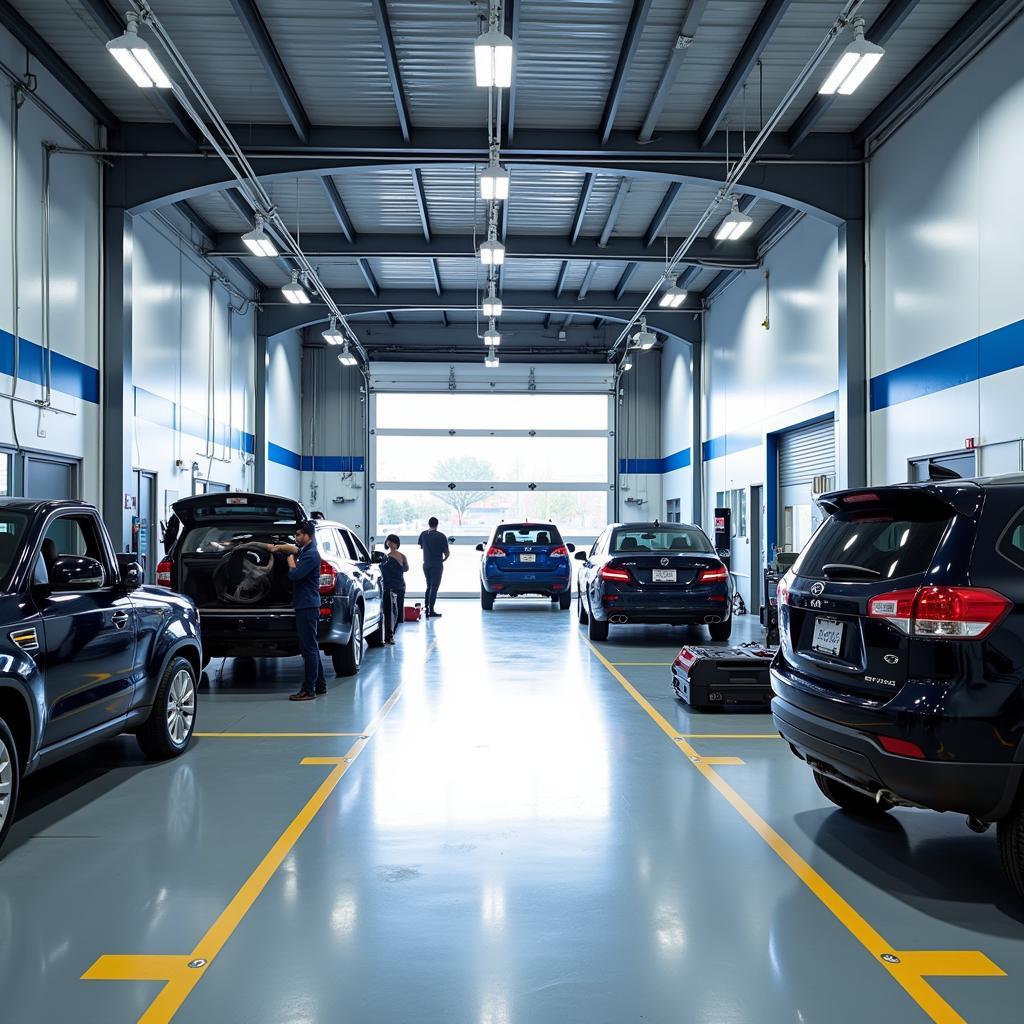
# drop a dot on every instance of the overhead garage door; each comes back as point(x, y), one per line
point(804, 454)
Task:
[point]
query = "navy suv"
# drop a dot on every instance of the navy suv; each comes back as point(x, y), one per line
point(86, 651)
point(900, 676)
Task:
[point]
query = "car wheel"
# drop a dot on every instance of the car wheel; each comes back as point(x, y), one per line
point(168, 730)
point(206, 661)
point(10, 780)
point(597, 630)
point(564, 602)
point(849, 799)
point(581, 612)
point(720, 630)
point(1010, 837)
point(486, 601)
point(348, 658)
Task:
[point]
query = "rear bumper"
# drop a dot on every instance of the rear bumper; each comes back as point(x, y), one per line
point(526, 583)
point(984, 791)
point(262, 635)
point(660, 608)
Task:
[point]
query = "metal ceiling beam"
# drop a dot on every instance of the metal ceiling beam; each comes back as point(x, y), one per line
point(444, 317)
point(560, 283)
point(588, 278)
point(421, 201)
point(371, 281)
point(775, 227)
point(380, 11)
point(880, 32)
point(685, 279)
point(980, 17)
point(613, 213)
point(390, 317)
point(687, 32)
point(630, 42)
point(256, 29)
point(435, 270)
point(757, 39)
point(658, 221)
point(718, 283)
point(627, 276)
point(56, 65)
point(512, 11)
point(338, 208)
point(581, 207)
point(107, 16)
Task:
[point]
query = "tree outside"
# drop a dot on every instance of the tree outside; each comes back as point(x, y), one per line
point(462, 467)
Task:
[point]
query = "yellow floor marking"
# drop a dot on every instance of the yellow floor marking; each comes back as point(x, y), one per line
point(267, 735)
point(719, 760)
point(727, 735)
point(650, 664)
point(181, 974)
point(908, 968)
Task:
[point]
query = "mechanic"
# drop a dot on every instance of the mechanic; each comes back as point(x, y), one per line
point(304, 572)
point(435, 554)
point(392, 571)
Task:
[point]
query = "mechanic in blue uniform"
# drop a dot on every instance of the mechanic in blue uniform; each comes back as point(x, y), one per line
point(304, 572)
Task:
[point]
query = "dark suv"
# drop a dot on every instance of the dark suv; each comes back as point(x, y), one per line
point(900, 677)
point(217, 554)
point(86, 652)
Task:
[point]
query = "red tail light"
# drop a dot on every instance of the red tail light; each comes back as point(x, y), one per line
point(782, 591)
point(493, 552)
point(859, 499)
point(892, 745)
point(719, 575)
point(616, 574)
point(560, 552)
point(328, 578)
point(952, 613)
point(163, 573)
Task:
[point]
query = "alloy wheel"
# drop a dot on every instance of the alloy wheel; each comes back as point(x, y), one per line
point(6, 782)
point(357, 638)
point(181, 707)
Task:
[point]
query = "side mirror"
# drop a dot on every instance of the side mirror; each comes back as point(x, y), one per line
point(571, 547)
point(479, 547)
point(378, 557)
point(76, 573)
point(132, 574)
point(580, 556)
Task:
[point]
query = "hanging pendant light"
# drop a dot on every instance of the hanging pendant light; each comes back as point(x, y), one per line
point(136, 58)
point(856, 63)
point(735, 225)
point(294, 292)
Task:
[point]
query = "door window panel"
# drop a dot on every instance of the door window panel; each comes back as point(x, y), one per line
point(69, 535)
point(521, 412)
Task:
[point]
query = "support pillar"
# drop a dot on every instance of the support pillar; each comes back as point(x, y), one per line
point(260, 402)
point(851, 425)
point(697, 427)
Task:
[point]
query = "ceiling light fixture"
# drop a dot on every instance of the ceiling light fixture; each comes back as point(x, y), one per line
point(494, 181)
point(491, 360)
point(346, 357)
point(258, 242)
point(294, 292)
point(493, 54)
point(856, 63)
point(672, 297)
point(492, 337)
point(492, 253)
point(333, 336)
point(132, 52)
point(492, 305)
point(645, 339)
point(735, 225)
point(626, 364)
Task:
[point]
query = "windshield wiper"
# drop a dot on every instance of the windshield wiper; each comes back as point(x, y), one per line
point(838, 570)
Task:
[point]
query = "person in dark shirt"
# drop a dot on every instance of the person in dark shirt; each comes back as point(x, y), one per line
point(435, 554)
point(392, 571)
point(304, 572)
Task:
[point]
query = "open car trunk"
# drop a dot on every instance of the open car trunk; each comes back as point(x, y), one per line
point(229, 581)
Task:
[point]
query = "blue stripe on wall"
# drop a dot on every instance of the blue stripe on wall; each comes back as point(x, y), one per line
point(283, 456)
point(320, 463)
point(677, 460)
point(995, 352)
point(66, 374)
point(165, 413)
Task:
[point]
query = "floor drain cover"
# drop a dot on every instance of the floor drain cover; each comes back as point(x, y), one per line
point(891, 958)
point(196, 964)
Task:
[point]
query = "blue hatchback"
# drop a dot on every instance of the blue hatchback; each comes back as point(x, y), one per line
point(526, 558)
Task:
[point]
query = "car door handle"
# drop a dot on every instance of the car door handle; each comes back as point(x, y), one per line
point(120, 619)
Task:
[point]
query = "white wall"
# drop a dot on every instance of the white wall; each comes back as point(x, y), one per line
point(677, 426)
point(284, 414)
point(946, 266)
point(759, 381)
point(639, 440)
point(74, 217)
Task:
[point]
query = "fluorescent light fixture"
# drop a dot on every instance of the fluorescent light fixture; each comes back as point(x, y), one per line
point(735, 225)
point(672, 297)
point(347, 357)
point(492, 337)
point(494, 182)
point(294, 292)
point(626, 364)
point(491, 360)
point(333, 336)
point(493, 54)
point(258, 241)
point(856, 63)
point(492, 253)
point(136, 58)
point(492, 304)
point(645, 339)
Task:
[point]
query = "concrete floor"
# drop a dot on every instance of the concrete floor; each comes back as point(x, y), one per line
point(518, 840)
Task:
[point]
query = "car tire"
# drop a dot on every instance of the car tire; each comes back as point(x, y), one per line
point(206, 661)
point(564, 602)
point(486, 601)
point(581, 612)
point(849, 799)
point(1010, 837)
point(347, 659)
point(720, 630)
point(168, 730)
point(10, 780)
point(597, 630)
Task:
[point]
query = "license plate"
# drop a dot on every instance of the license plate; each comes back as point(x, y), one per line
point(828, 636)
point(663, 575)
point(527, 558)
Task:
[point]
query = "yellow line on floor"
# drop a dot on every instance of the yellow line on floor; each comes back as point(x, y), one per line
point(267, 735)
point(649, 664)
point(908, 968)
point(181, 974)
point(729, 735)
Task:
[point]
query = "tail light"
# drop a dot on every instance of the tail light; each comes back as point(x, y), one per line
point(328, 578)
point(493, 552)
point(782, 592)
point(616, 574)
point(859, 499)
point(560, 552)
point(163, 573)
point(719, 575)
point(904, 748)
point(952, 613)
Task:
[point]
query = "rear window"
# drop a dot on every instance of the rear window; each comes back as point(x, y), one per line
point(527, 533)
point(12, 526)
point(225, 537)
point(684, 539)
point(892, 542)
point(237, 508)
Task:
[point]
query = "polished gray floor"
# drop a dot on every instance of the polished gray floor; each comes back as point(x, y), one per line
point(517, 842)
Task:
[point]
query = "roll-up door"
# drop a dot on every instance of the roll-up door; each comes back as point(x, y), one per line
point(805, 454)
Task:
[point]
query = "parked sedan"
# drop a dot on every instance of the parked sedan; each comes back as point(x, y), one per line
point(526, 558)
point(653, 573)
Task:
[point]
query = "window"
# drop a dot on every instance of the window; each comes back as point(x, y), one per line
point(1011, 544)
point(527, 533)
point(12, 526)
point(684, 539)
point(736, 502)
point(73, 535)
point(327, 542)
point(224, 537)
point(672, 511)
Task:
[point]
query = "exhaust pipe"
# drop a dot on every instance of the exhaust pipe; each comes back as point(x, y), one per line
point(618, 619)
point(709, 619)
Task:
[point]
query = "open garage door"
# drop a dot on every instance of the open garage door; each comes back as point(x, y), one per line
point(807, 465)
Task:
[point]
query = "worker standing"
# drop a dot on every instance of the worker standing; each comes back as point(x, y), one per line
point(304, 572)
point(435, 554)
point(392, 571)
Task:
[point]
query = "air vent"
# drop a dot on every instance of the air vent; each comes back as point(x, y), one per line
point(26, 639)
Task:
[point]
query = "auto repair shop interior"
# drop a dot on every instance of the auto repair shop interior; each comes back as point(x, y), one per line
point(698, 326)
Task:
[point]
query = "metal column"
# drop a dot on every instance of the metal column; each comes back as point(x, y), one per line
point(260, 403)
point(696, 432)
point(851, 432)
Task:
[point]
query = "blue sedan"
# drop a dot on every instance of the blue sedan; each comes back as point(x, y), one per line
point(526, 558)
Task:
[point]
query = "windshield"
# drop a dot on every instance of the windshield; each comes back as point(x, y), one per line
point(684, 540)
point(527, 533)
point(226, 537)
point(12, 527)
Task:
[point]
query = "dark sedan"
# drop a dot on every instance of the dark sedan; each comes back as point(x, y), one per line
point(654, 573)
